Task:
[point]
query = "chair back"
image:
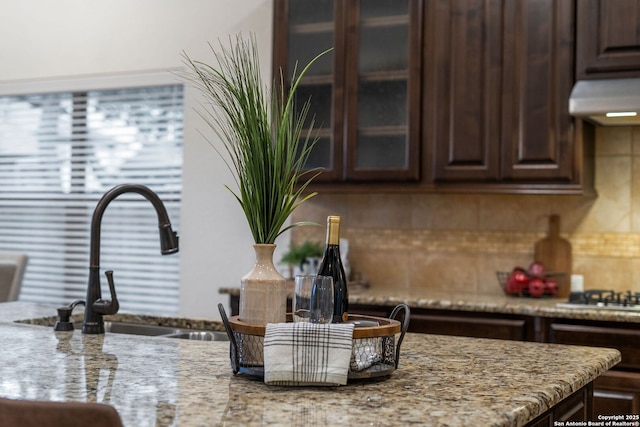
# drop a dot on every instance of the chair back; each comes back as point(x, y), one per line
point(32, 413)
point(12, 267)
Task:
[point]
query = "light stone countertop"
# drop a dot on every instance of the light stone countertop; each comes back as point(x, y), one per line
point(481, 303)
point(155, 381)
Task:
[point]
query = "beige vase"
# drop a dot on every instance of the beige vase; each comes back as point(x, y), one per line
point(263, 291)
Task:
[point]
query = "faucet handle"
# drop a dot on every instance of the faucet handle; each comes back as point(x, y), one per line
point(108, 306)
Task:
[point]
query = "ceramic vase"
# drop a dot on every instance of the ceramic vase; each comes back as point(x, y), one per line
point(263, 291)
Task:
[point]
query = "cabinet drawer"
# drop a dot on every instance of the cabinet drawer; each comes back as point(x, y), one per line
point(617, 392)
point(478, 327)
point(624, 340)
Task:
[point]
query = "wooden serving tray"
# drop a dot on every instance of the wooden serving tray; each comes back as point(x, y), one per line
point(386, 327)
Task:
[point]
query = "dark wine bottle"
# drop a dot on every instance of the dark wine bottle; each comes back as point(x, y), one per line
point(331, 265)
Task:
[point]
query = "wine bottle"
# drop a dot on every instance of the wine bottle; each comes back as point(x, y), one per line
point(331, 265)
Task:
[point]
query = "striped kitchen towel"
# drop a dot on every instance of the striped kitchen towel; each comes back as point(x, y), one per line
point(307, 353)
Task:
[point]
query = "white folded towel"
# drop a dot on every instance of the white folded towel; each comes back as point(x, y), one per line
point(307, 353)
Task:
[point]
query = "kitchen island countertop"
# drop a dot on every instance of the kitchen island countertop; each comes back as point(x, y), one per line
point(154, 381)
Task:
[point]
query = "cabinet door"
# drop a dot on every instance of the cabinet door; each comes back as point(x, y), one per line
point(365, 94)
point(617, 392)
point(383, 61)
point(537, 139)
point(462, 89)
point(608, 38)
point(468, 324)
point(302, 30)
point(623, 339)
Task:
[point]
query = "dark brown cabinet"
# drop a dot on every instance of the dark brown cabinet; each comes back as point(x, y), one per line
point(466, 324)
point(577, 407)
point(617, 391)
point(608, 39)
point(497, 80)
point(537, 140)
point(462, 90)
point(438, 95)
point(366, 92)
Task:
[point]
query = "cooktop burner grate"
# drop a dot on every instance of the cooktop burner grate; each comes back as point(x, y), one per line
point(603, 299)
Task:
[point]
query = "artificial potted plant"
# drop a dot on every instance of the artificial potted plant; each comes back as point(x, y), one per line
point(265, 143)
point(307, 254)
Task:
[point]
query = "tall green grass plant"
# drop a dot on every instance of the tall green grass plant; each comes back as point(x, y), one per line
point(264, 140)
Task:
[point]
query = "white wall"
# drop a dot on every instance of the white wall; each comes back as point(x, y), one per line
point(43, 40)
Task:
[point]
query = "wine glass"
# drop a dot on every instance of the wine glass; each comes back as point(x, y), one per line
point(321, 300)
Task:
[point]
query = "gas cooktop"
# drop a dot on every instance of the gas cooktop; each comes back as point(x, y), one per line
point(604, 300)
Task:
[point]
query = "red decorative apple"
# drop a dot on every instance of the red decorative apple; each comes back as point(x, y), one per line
point(517, 281)
point(536, 287)
point(536, 269)
point(551, 286)
point(511, 285)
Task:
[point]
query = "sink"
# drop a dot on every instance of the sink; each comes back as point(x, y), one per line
point(163, 331)
point(201, 335)
point(151, 330)
point(139, 329)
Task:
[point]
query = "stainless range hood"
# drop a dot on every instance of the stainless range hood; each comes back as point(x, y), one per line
point(614, 102)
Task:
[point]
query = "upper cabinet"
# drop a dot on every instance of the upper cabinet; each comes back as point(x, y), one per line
point(366, 93)
point(498, 75)
point(608, 39)
point(464, 95)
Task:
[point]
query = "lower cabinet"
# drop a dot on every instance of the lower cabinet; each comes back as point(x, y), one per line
point(577, 407)
point(460, 323)
point(614, 393)
point(617, 391)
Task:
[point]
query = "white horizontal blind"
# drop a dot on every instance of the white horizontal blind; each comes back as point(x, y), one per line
point(59, 153)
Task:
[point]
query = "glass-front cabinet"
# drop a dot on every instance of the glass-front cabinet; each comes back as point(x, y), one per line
point(365, 93)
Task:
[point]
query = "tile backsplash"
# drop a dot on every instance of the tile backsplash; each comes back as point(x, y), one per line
point(459, 241)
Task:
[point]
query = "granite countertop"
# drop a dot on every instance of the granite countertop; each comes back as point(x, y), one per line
point(487, 303)
point(156, 381)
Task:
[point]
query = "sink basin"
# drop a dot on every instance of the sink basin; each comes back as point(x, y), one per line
point(163, 331)
point(151, 330)
point(201, 336)
point(139, 329)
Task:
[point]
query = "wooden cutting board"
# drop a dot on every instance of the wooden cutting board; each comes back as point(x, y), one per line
point(554, 252)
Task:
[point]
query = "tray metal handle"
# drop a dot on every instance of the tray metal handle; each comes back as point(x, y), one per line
point(233, 350)
point(405, 325)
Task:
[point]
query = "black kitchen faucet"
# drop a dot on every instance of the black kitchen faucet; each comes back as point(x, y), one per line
point(95, 306)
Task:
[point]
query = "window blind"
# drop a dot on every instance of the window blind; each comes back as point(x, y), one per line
point(59, 153)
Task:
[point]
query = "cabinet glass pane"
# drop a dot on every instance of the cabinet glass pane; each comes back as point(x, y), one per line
point(383, 63)
point(382, 152)
point(382, 103)
point(320, 96)
point(383, 8)
point(303, 47)
point(384, 48)
point(320, 156)
point(310, 11)
point(311, 32)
